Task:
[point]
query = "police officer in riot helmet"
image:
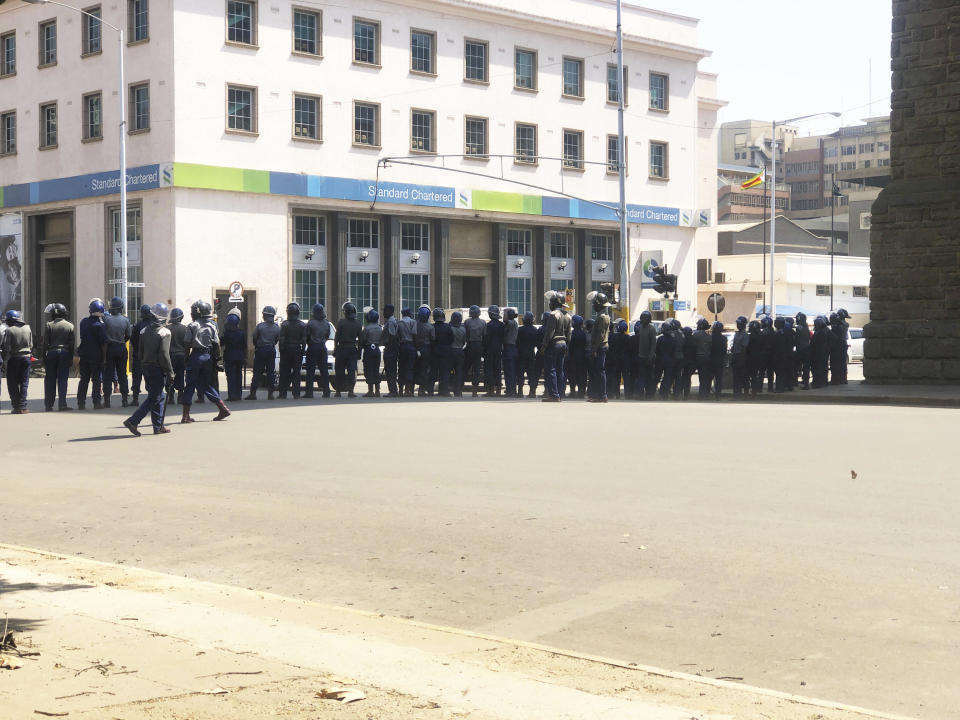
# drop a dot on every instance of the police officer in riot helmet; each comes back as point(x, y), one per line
point(476, 330)
point(293, 343)
point(234, 345)
point(423, 341)
point(117, 331)
point(318, 332)
point(718, 356)
point(346, 351)
point(526, 354)
point(265, 337)
point(741, 343)
point(90, 352)
point(493, 352)
point(136, 373)
point(820, 345)
point(511, 330)
point(58, 344)
point(205, 360)
point(598, 344)
point(457, 352)
point(391, 350)
point(407, 361)
point(556, 338)
point(370, 347)
point(157, 370)
point(442, 351)
point(646, 335)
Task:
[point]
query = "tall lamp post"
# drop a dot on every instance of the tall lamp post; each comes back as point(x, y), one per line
point(773, 195)
point(124, 286)
point(622, 175)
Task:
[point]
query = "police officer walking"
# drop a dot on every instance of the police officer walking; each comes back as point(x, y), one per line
point(476, 330)
point(293, 342)
point(391, 350)
point(136, 374)
point(318, 332)
point(58, 343)
point(599, 345)
point(90, 352)
point(179, 345)
point(234, 343)
point(204, 356)
point(370, 344)
point(346, 350)
point(157, 370)
point(556, 336)
point(15, 349)
point(117, 332)
point(265, 337)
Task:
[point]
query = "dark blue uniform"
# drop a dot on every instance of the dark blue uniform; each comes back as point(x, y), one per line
point(90, 353)
point(527, 344)
point(234, 346)
point(493, 355)
point(136, 368)
point(577, 363)
point(443, 353)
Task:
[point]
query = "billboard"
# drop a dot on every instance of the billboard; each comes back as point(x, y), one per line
point(11, 262)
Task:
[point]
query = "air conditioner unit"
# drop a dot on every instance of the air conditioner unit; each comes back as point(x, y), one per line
point(720, 277)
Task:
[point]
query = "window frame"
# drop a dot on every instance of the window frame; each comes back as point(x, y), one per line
point(377, 42)
point(132, 26)
point(666, 159)
point(254, 24)
point(432, 72)
point(524, 237)
point(321, 230)
point(134, 235)
point(536, 142)
point(626, 154)
point(609, 251)
point(861, 291)
point(318, 40)
point(424, 236)
point(318, 99)
point(42, 46)
point(517, 50)
point(486, 61)
point(254, 124)
point(526, 290)
point(626, 85)
point(4, 37)
point(422, 280)
point(375, 281)
point(86, 137)
point(4, 152)
point(576, 165)
point(319, 285)
point(376, 129)
point(569, 241)
point(580, 82)
point(85, 25)
point(42, 122)
point(666, 92)
point(824, 288)
point(374, 222)
point(485, 156)
point(432, 150)
point(132, 89)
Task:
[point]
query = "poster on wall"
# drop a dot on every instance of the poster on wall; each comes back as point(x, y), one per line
point(11, 262)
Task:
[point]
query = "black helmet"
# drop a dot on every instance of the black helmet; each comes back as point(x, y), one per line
point(205, 309)
point(439, 315)
point(688, 331)
point(373, 316)
point(388, 310)
point(510, 313)
point(703, 324)
point(766, 321)
point(269, 312)
point(157, 314)
point(741, 323)
point(474, 311)
point(406, 312)
point(195, 310)
point(116, 304)
point(318, 312)
point(528, 318)
point(176, 315)
point(718, 326)
point(293, 309)
point(598, 299)
point(675, 324)
point(645, 317)
point(494, 312)
point(779, 323)
point(145, 311)
point(349, 310)
point(801, 318)
point(754, 326)
point(843, 314)
point(456, 318)
point(820, 322)
point(834, 318)
point(555, 299)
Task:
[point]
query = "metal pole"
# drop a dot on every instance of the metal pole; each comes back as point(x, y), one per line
point(773, 216)
point(124, 287)
point(833, 236)
point(763, 261)
point(621, 157)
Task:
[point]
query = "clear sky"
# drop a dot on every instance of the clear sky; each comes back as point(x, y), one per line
point(818, 59)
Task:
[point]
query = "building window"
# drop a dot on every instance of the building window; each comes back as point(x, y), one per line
point(518, 241)
point(518, 294)
point(848, 150)
point(848, 165)
point(366, 124)
point(525, 144)
point(307, 117)
point(475, 136)
point(309, 230)
point(659, 92)
point(363, 234)
point(867, 147)
point(883, 146)
point(309, 287)
point(415, 236)
point(8, 133)
point(866, 164)
point(92, 31)
point(134, 257)
point(560, 285)
point(8, 54)
point(573, 149)
point(883, 162)
point(659, 166)
point(48, 43)
point(414, 290)
point(307, 26)
point(422, 128)
point(242, 22)
point(861, 291)
point(823, 290)
point(241, 109)
point(139, 107)
point(363, 289)
point(423, 48)
point(138, 18)
point(48, 125)
point(573, 77)
point(561, 245)
point(475, 60)
point(92, 116)
point(613, 154)
point(612, 90)
point(366, 41)
point(601, 247)
point(525, 69)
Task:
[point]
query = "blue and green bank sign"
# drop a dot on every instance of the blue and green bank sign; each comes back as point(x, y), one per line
point(267, 182)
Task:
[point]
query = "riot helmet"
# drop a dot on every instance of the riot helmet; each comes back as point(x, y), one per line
point(195, 310)
point(269, 313)
point(528, 318)
point(646, 318)
point(13, 317)
point(598, 299)
point(157, 314)
point(405, 312)
point(687, 331)
point(494, 312)
point(373, 317)
point(754, 327)
point(293, 310)
point(474, 311)
point(116, 305)
point(801, 319)
point(843, 314)
point(741, 323)
point(577, 320)
point(96, 307)
point(718, 327)
point(554, 299)
point(779, 323)
point(834, 318)
point(820, 322)
point(145, 312)
point(439, 315)
point(456, 318)
point(349, 310)
point(423, 314)
point(388, 311)
point(205, 309)
point(766, 321)
point(176, 315)
point(510, 313)
point(703, 324)
point(623, 327)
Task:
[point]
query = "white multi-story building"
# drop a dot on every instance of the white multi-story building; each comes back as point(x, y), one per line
point(256, 129)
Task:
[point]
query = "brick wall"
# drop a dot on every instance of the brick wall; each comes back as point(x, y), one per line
point(914, 330)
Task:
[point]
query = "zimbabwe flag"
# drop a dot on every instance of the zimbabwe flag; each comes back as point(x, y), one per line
point(754, 181)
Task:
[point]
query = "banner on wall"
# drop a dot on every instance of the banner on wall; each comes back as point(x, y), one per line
point(11, 262)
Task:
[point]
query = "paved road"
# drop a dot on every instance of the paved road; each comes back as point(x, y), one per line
point(724, 539)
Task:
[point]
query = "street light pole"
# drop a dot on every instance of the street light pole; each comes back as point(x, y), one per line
point(622, 171)
point(124, 286)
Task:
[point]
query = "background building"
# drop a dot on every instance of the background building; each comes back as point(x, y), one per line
point(255, 131)
point(734, 204)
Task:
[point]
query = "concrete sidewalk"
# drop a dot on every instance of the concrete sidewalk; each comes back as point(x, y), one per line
point(115, 641)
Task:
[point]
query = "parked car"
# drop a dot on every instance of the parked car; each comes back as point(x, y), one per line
point(855, 345)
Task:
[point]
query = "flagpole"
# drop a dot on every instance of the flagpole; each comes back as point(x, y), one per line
point(833, 234)
point(764, 261)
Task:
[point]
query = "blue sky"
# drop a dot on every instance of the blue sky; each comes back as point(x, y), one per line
point(819, 60)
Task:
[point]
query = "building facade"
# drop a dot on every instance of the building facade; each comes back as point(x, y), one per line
point(734, 204)
point(443, 152)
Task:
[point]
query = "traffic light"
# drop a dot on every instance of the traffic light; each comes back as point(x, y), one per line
point(664, 283)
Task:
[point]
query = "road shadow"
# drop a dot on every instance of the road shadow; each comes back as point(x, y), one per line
point(8, 587)
point(99, 438)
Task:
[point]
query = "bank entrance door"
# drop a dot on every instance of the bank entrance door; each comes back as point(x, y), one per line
point(51, 260)
point(466, 290)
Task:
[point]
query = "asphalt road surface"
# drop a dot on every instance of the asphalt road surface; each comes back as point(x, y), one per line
point(813, 549)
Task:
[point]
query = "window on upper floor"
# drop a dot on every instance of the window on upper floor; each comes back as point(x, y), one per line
point(93, 116)
point(8, 54)
point(659, 91)
point(601, 247)
point(573, 149)
point(91, 39)
point(612, 90)
point(47, 37)
point(519, 241)
point(423, 52)
point(525, 69)
point(307, 116)
point(561, 245)
point(363, 233)
point(366, 124)
point(613, 154)
point(366, 41)
point(138, 20)
point(309, 230)
point(48, 125)
point(659, 160)
point(573, 77)
point(8, 133)
point(307, 32)
point(475, 60)
point(241, 109)
point(423, 128)
point(525, 144)
point(242, 22)
point(415, 236)
point(475, 137)
point(139, 107)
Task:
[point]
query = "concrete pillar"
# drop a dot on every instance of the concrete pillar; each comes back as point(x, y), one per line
point(440, 260)
point(391, 261)
point(337, 265)
point(584, 268)
point(498, 293)
point(541, 265)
